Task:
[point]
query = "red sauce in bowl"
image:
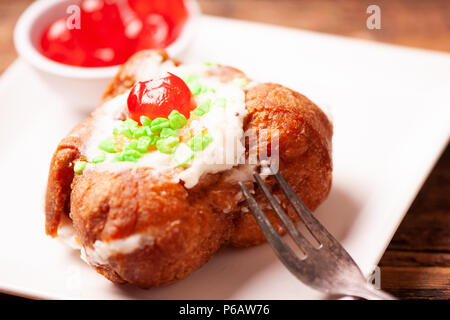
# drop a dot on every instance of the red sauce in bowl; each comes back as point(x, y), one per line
point(110, 31)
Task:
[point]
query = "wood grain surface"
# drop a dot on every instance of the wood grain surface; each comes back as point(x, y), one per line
point(417, 262)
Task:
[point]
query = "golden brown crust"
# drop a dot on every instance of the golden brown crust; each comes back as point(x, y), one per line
point(57, 196)
point(304, 149)
point(226, 73)
point(185, 231)
point(186, 226)
point(58, 188)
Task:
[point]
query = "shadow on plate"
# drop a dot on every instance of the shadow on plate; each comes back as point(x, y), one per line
point(338, 212)
point(231, 269)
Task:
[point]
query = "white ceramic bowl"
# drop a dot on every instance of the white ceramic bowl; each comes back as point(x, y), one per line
point(81, 87)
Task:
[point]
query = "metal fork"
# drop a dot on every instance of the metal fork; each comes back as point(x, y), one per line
point(328, 268)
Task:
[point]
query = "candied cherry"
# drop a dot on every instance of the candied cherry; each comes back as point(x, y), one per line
point(158, 97)
point(112, 30)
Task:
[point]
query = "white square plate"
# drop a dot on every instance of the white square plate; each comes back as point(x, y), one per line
point(391, 112)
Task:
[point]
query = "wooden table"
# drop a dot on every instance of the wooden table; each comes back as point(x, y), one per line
point(417, 261)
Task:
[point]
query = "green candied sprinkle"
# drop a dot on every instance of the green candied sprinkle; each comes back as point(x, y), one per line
point(167, 145)
point(79, 166)
point(153, 140)
point(145, 121)
point(131, 145)
point(240, 82)
point(127, 128)
point(199, 142)
point(130, 123)
point(158, 124)
point(126, 132)
point(108, 145)
point(195, 87)
point(203, 107)
point(127, 155)
point(167, 132)
point(183, 154)
point(143, 143)
point(99, 158)
point(139, 132)
point(209, 64)
point(148, 131)
point(220, 102)
point(190, 78)
point(176, 120)
point(118, 157)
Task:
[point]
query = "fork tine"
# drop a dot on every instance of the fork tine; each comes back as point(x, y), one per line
point(314, 226)
point(299, 239)
point(331, 269)
point(283, 251)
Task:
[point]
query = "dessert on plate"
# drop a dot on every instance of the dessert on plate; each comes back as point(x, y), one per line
point(147, 185)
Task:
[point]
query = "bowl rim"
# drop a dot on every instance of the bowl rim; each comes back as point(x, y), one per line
point(26, 49)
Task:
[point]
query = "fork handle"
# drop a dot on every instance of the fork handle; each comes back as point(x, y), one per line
point(370, 292)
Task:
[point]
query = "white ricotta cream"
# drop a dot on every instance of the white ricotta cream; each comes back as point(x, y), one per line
point(101, 250)
point(66, 233)
point(224, 123)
